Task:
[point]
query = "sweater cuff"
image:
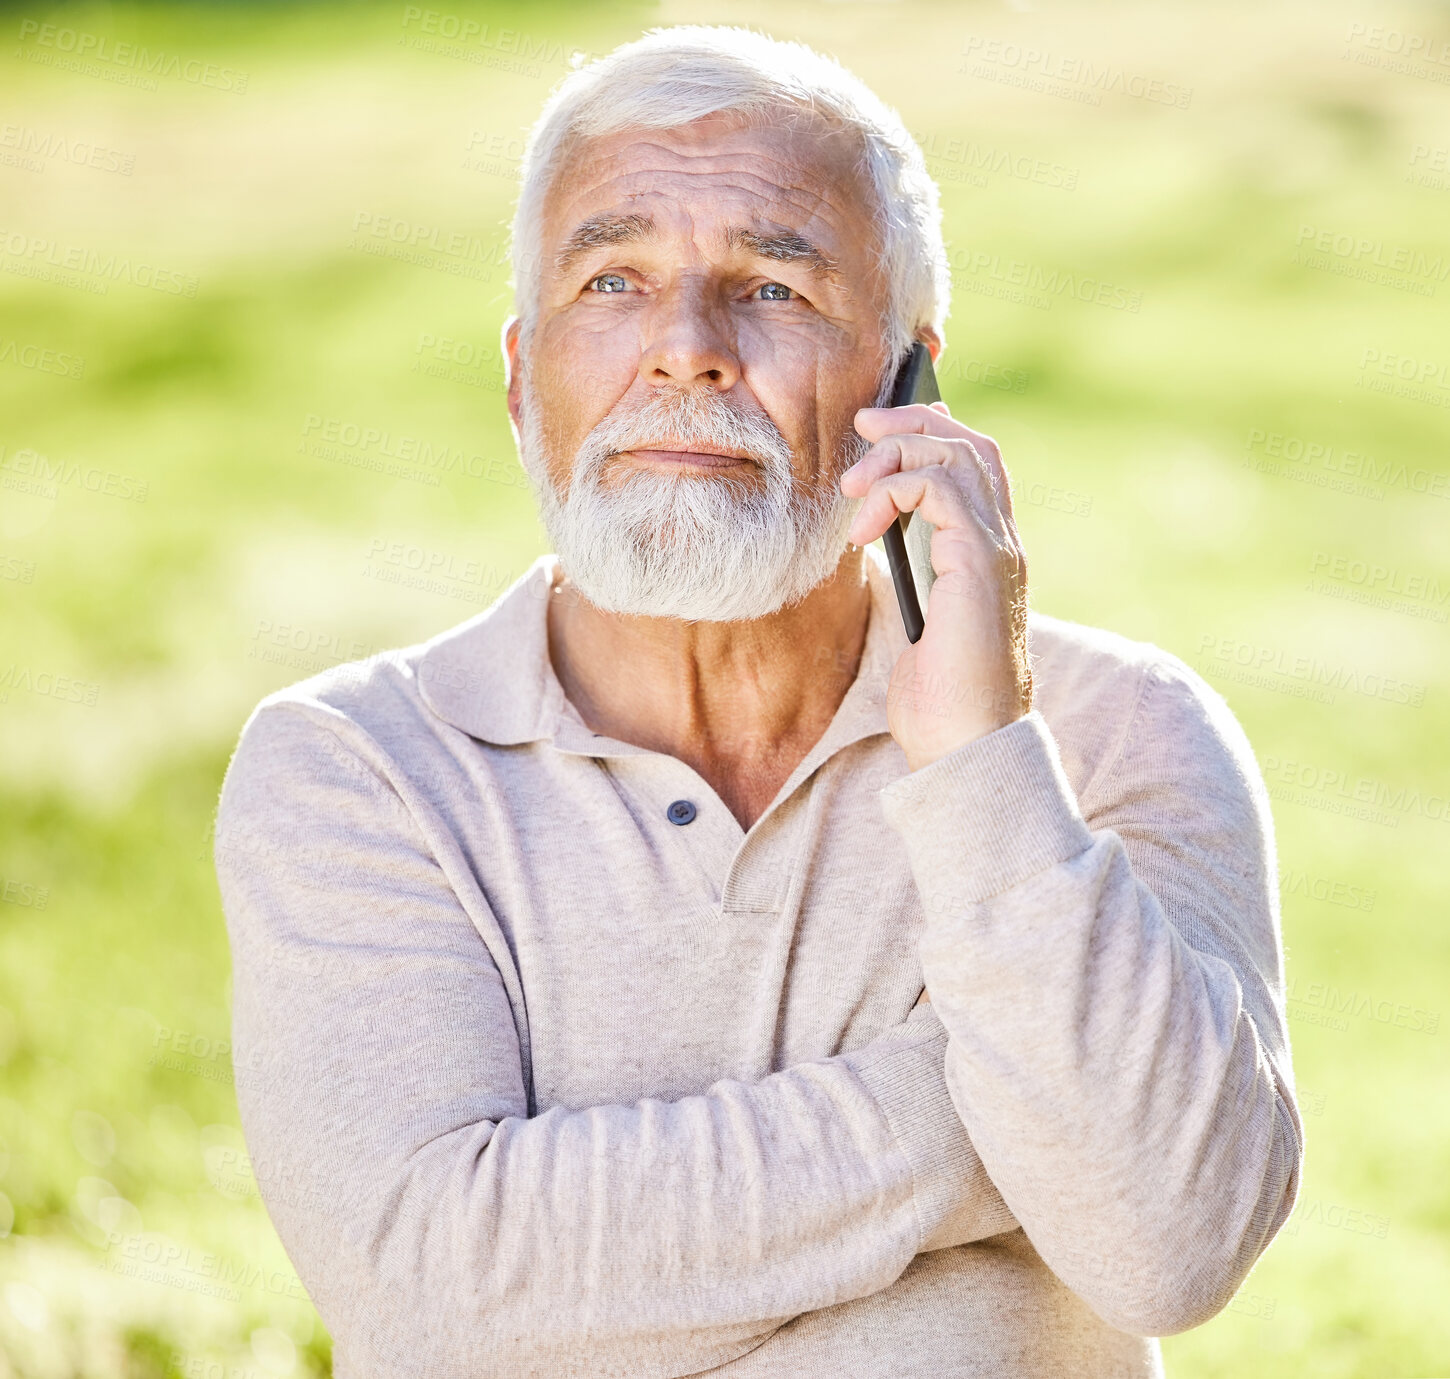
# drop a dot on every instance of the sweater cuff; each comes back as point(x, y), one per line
point(909, 1085)
point(985, 817)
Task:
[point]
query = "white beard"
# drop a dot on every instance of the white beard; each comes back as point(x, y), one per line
point(690, 546)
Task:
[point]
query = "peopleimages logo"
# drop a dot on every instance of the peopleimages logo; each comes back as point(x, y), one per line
point(28, 471)
point(1402, 375)
point(472, 40)
point(458, 252)
point(1376, 585)
point(1338, 791)
point(951, 159)
point(1059, 74)
point(1035, 284)
point(25, 355)
point(1399, 266)
point(1436, 164)
point(78, 50)
point(48, 685)
point(1327, 889)
point(40, 257)
point(37, 145)
point(1259, 664)
point(402, 456)
point(1301, 457)
point(1395, 50)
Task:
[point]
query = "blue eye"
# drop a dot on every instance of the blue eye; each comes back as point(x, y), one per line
point(612, 282)
point(776, 292)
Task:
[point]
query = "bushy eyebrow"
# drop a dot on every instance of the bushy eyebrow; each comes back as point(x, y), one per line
point(599, 230)
point(784, 246)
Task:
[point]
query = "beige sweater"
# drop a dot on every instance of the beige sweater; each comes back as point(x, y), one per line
point(538, 1080)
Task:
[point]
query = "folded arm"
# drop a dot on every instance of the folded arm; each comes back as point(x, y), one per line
point(1112, 988)
point(439, 1227)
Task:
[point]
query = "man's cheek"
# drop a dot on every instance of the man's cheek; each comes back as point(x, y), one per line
point(561, 433)
point(591, 360)
point(781, 368)
point(568, 403)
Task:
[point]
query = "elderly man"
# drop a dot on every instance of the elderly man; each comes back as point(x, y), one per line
point(672, 969)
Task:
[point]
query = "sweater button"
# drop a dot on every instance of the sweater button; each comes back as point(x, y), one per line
point(681, 812)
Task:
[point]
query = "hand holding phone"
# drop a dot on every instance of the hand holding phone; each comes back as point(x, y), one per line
point(926, 478)
point(910, 559)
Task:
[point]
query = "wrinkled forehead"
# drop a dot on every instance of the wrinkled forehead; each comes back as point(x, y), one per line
point(788, 170)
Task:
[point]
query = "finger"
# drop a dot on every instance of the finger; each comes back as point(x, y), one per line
point(933, 492)
point(918, 417)
point(874, 423)
point(928, 419)
point(906, 451)
point(991, 455)
point(983, 450)
point(900, 454)
point(925, 418)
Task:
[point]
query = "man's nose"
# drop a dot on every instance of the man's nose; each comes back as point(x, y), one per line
point(689, 340)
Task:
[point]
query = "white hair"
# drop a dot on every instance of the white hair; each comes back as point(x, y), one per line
point(673, 76)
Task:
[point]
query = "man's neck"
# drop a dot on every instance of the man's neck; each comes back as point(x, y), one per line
point(739, 702)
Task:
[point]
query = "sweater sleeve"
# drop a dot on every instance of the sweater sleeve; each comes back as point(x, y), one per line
point(1113, 990)
point(442, 1230)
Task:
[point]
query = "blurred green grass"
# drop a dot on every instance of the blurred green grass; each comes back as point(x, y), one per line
point(244, 567)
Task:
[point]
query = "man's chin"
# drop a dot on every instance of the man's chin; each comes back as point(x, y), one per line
point(699, 555)
point(682, 606)
point(661, 580)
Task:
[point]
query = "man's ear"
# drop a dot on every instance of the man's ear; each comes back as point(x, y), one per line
point(511, 330)
point(928, 337)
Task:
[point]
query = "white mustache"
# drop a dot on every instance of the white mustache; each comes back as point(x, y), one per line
point(679, 419)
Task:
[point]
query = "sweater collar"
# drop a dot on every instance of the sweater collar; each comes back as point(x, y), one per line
point(492, 677)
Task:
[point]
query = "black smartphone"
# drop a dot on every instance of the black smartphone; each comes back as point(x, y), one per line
point(907, 542)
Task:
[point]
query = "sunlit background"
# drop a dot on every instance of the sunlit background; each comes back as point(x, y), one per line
point(252, 278)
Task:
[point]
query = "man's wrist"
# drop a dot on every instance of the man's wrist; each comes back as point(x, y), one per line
point(979, 820)
point(920, 757)
point(948, 713)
